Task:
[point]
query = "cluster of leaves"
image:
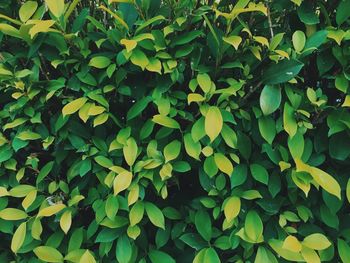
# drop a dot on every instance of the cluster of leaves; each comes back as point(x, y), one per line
point(174, 131)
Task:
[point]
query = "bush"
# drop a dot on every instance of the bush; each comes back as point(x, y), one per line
point(162, 131)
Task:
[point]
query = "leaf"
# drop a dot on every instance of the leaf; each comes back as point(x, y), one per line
point(136, 213)
point(48, 254)
point(203, 224)
point(310, 255)
point(292, 243)
point(149, 22)
point(204, 82)
point(282, 71)
point(29, 199)
point(233, 40)
point(28, 136)
point(155, 215)
point(348, 190)
point(123, 249)
point(211, 256)
point(12, 214)
point(157, 256)
point(267, 128)
point(87, 257)
point(119, 20)
point(166, 121)
point(172, 150)
point(138, 107)
point(253, 225)
point(213, 122)
point(259, 173)
point(192, 148)
point(50, 210)
point(299, 40)
point(316, 241)
point(100, 119)
point(289, 121)
point(122, 181)
point(232, 208)
point(223, 163)
point(326, 181)
point(100, 62)
point(66, 221)
point(154, 65)
point(344, 251)
point(73, 106)
point(44, 171)
point(27, 10)
point(18, 237)
point(130, 151)
point(56, 7)
point(270, 99)
point(139, 58)
point(41, 26)
point(129, 44)
point(342, 13)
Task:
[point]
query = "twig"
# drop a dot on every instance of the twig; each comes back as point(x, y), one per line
point(269, 20)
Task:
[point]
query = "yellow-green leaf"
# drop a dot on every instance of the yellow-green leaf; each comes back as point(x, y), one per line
point(316, 241)
point(41, 26)
point(130, 151)
point(289, 122)
point(154, 65)
point(348, 190)
point(12, 214)
point(139, 58)
point(51, 210)
point(326, 181)
point(100, 119)
point(18, 237)
point(73, 106)
point(233, 40)
point(48, 254)
point(204, 82)
point(29, 199)
point(213, 122)
point(155, 215)
point(87, 258)
point(136, 213)
point(122, 181)
point(100, 62)
point(223, 163)
point(66, 221)
point(129, 44)
point(310, 256)
point(292, 243)
point(232, 208)
point(27, 10)
point(165, 121)
point(346, 102)
point(172, 150)
point(56, 7)
point(299, 40)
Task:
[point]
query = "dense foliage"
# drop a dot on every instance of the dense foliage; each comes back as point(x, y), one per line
point(174, 131)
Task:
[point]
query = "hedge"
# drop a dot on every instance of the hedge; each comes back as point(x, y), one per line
point(174, 131)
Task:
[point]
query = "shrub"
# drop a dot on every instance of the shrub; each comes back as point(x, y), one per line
point(162, 131)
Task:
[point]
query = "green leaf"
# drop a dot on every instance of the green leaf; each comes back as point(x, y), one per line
point(282, 71)
point(11, 31)
point(203, 224)
point(139, 58)
point(73, 106)
point(149, 22)
point(211, 256)
point(12, 214)
point(342, 13)
point(18, 237)
point(223, 163)
point(172, 150)
point(267, 128)
point(213, 122)
point(155, 215)
point(296, 145)
point(307, 14)
point(348, 190)
point(48, 254)
point(100, 62)
point(299, 40)
point(154, 65)
point(166, 121)
point(27, 10)
point(157, 256)
point(123, 249)
point(112, 206)
point(233, 40)
point(130, 151)
point(87, 257)
point(270, 99)
point(253, 225)
point(344, 251)
point(136, 213)
point(259, 173)
point(138, 107)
